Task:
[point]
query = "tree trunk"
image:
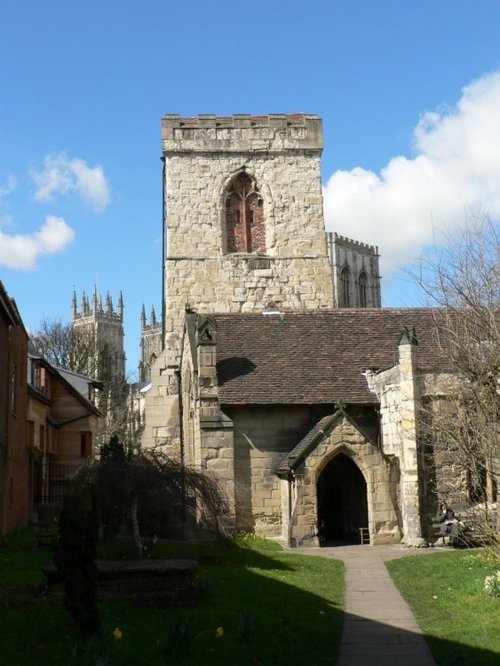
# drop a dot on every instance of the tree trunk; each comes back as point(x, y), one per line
point(135, 527)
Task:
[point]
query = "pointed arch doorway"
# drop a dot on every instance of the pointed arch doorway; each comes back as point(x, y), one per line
point(342, 502)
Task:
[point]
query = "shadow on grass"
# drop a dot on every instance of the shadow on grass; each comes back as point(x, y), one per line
point(258, 608)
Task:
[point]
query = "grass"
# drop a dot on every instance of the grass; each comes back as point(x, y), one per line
point(446, 593)
point(260, 605)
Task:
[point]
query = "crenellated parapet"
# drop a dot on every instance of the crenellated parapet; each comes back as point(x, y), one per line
point(353, 244)
point(242, 133)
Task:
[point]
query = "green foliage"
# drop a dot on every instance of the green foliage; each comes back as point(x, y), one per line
point(249, 540)
point(111, 482)
point(264, 607)
point(92, 652)
point(75, 558)
point(247, 626)
point(492, 585)
point(446, 593)
point(157, 495)
point(179, 635)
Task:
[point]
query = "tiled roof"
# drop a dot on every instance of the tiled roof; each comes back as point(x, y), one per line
point(316, 357)
point(291, 457)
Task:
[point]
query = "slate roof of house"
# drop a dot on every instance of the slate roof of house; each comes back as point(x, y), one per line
point(316, 357)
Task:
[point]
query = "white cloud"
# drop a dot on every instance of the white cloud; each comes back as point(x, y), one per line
point(62, 175)
point(20, 252)
point(7, 186)
point(455, 169)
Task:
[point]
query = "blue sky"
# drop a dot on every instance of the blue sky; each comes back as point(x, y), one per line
point(409, 93)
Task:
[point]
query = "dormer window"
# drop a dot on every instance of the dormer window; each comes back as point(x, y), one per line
point(245, 230)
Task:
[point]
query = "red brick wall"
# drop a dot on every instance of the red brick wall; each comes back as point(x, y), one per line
point(14, 466)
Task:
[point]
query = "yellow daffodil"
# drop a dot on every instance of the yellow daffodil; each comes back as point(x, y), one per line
point(219, 632)
point(117, 634)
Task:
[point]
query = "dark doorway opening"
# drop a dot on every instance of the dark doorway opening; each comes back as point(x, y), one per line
point(342, 502)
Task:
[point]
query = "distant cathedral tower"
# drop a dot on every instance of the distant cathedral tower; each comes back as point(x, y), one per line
point(104, 328)
point(151, 333)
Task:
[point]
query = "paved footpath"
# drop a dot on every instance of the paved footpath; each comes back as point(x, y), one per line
point(379, 628)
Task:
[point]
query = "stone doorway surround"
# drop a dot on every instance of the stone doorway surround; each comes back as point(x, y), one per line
point(342, 502)
point(332, 436)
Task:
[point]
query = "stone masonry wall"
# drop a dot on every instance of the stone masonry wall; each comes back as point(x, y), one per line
point(262, 436)
point(358, 257)
point(379, 474)
point(282, 155)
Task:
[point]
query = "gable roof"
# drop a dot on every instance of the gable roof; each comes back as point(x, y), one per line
point(64, 377)
point(316, 357)
point(9, 310)
point(321, 428)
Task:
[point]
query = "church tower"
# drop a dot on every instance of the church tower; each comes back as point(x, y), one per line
point(103, 327)
point(244, 231)
point(151, 334)
point(244, 215)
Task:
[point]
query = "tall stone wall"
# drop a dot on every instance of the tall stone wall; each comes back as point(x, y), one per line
point(281, 154)
point(361, 261)
point(262, 436)
point(398, 390)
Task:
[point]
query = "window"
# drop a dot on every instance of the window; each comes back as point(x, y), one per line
point(362, 286)
point(345, 287)
point(31, 434)
point(85, 444)
point(39, 378)
point(245, 231)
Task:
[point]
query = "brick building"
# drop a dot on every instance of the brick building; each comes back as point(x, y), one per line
point(62, 428)
point(14, 470)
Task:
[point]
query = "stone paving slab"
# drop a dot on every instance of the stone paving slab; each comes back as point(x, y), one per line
point(379, 627)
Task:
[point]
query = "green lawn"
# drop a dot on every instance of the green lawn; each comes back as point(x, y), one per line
point(445, 591)
point(271, 607)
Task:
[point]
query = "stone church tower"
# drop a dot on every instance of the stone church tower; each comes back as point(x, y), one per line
point(151, 344)
point(244, 231)
point(104, 326)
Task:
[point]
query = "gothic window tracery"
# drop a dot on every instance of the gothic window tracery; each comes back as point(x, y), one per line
point(345, 287)
point(245, 231)
point(363, 288)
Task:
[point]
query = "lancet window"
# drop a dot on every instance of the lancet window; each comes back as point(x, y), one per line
point(245, 231)
point(362, 289)
point(345, 287)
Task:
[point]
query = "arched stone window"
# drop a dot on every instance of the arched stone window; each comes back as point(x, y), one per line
point(363, 289)
point(345, 287)
point(245, 230)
